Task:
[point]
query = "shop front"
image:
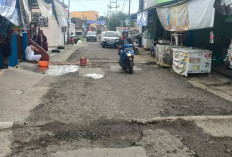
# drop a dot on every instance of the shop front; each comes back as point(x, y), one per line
point(181, 21)
point(149, 22)
point(51, 17)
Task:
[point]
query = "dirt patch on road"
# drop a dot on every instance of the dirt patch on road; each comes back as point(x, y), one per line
point(56, 136)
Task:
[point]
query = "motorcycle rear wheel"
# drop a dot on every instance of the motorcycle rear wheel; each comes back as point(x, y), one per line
point(136, 51)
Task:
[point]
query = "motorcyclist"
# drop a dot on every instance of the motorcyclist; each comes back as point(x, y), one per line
point(124, 40)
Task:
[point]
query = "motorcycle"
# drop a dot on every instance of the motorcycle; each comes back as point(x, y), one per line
point(70, 40)
point(136, 48)
point(127, 62)
point(153, 49)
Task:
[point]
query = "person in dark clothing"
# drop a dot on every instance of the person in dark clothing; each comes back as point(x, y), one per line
point(5, 48)
point(34, 38)
point(42, 40)
point(125, 40)
point(5, 41)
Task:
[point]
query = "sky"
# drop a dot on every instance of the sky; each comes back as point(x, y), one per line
point(101, 5)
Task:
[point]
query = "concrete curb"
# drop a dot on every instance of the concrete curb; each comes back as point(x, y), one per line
point(215, 92)
point(174, 118)
point(6, 125)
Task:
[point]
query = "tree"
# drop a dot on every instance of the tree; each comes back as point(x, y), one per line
point(102, 18)
point(114, 21)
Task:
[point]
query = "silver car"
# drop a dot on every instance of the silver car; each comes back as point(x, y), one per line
point(110, 39)
point(91, 36)
point(102, 35)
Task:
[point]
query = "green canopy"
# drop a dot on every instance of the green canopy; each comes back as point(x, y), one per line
point(163, 1)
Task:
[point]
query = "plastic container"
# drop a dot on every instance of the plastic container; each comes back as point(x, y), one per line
point(83, 61)
point(43, 63)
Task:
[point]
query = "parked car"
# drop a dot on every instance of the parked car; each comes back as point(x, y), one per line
point(91, 36)
point(110, 39)
point(101, 36)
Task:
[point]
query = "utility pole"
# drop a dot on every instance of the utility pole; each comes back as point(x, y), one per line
point(129, 7)
point(68, 9)
point(110, 7)
point(113, 7)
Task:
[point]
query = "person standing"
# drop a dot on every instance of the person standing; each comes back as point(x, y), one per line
point(42, 40)
point(5, 47)
point(5, 44)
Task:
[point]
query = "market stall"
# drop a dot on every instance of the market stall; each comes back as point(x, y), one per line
point(164, 54)
point(180, 19)
point(191, 61)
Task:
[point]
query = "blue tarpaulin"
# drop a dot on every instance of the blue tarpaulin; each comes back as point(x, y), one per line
point(88, 22)
point(9, 9)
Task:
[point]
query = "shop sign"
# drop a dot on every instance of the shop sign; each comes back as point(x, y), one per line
point(142, 18)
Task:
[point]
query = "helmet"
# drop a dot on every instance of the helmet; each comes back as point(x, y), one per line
point(124, 31)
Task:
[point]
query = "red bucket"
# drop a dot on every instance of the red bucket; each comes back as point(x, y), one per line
point(83, 61)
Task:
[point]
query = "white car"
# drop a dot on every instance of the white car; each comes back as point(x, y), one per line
point(102, 35)
point(110, 39)
point(91, 36)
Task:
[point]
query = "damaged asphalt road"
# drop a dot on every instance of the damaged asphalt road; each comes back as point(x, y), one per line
point(79, 112)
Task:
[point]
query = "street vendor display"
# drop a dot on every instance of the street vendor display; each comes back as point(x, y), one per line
point(147, 40)
point(191, 61)
point(164, 55)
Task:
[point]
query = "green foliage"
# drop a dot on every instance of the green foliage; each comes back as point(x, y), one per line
point(102, 18)
point(114, 21)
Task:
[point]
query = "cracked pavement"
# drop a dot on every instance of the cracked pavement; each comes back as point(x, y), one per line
point(78, 114)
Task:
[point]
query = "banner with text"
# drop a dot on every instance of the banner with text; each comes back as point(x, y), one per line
point(142, 18)
point(191, 15)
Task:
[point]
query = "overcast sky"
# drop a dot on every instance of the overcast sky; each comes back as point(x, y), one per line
point(101, 5)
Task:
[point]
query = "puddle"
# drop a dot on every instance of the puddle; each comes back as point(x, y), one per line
point(58, 70)
point(94, 76)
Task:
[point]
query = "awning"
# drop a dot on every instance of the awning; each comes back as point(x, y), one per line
point(61, 14)
point(51, 9)
point(149, 4)
point(45, 8)
point(9, 9)
point(190, 15)
point(167, 2)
